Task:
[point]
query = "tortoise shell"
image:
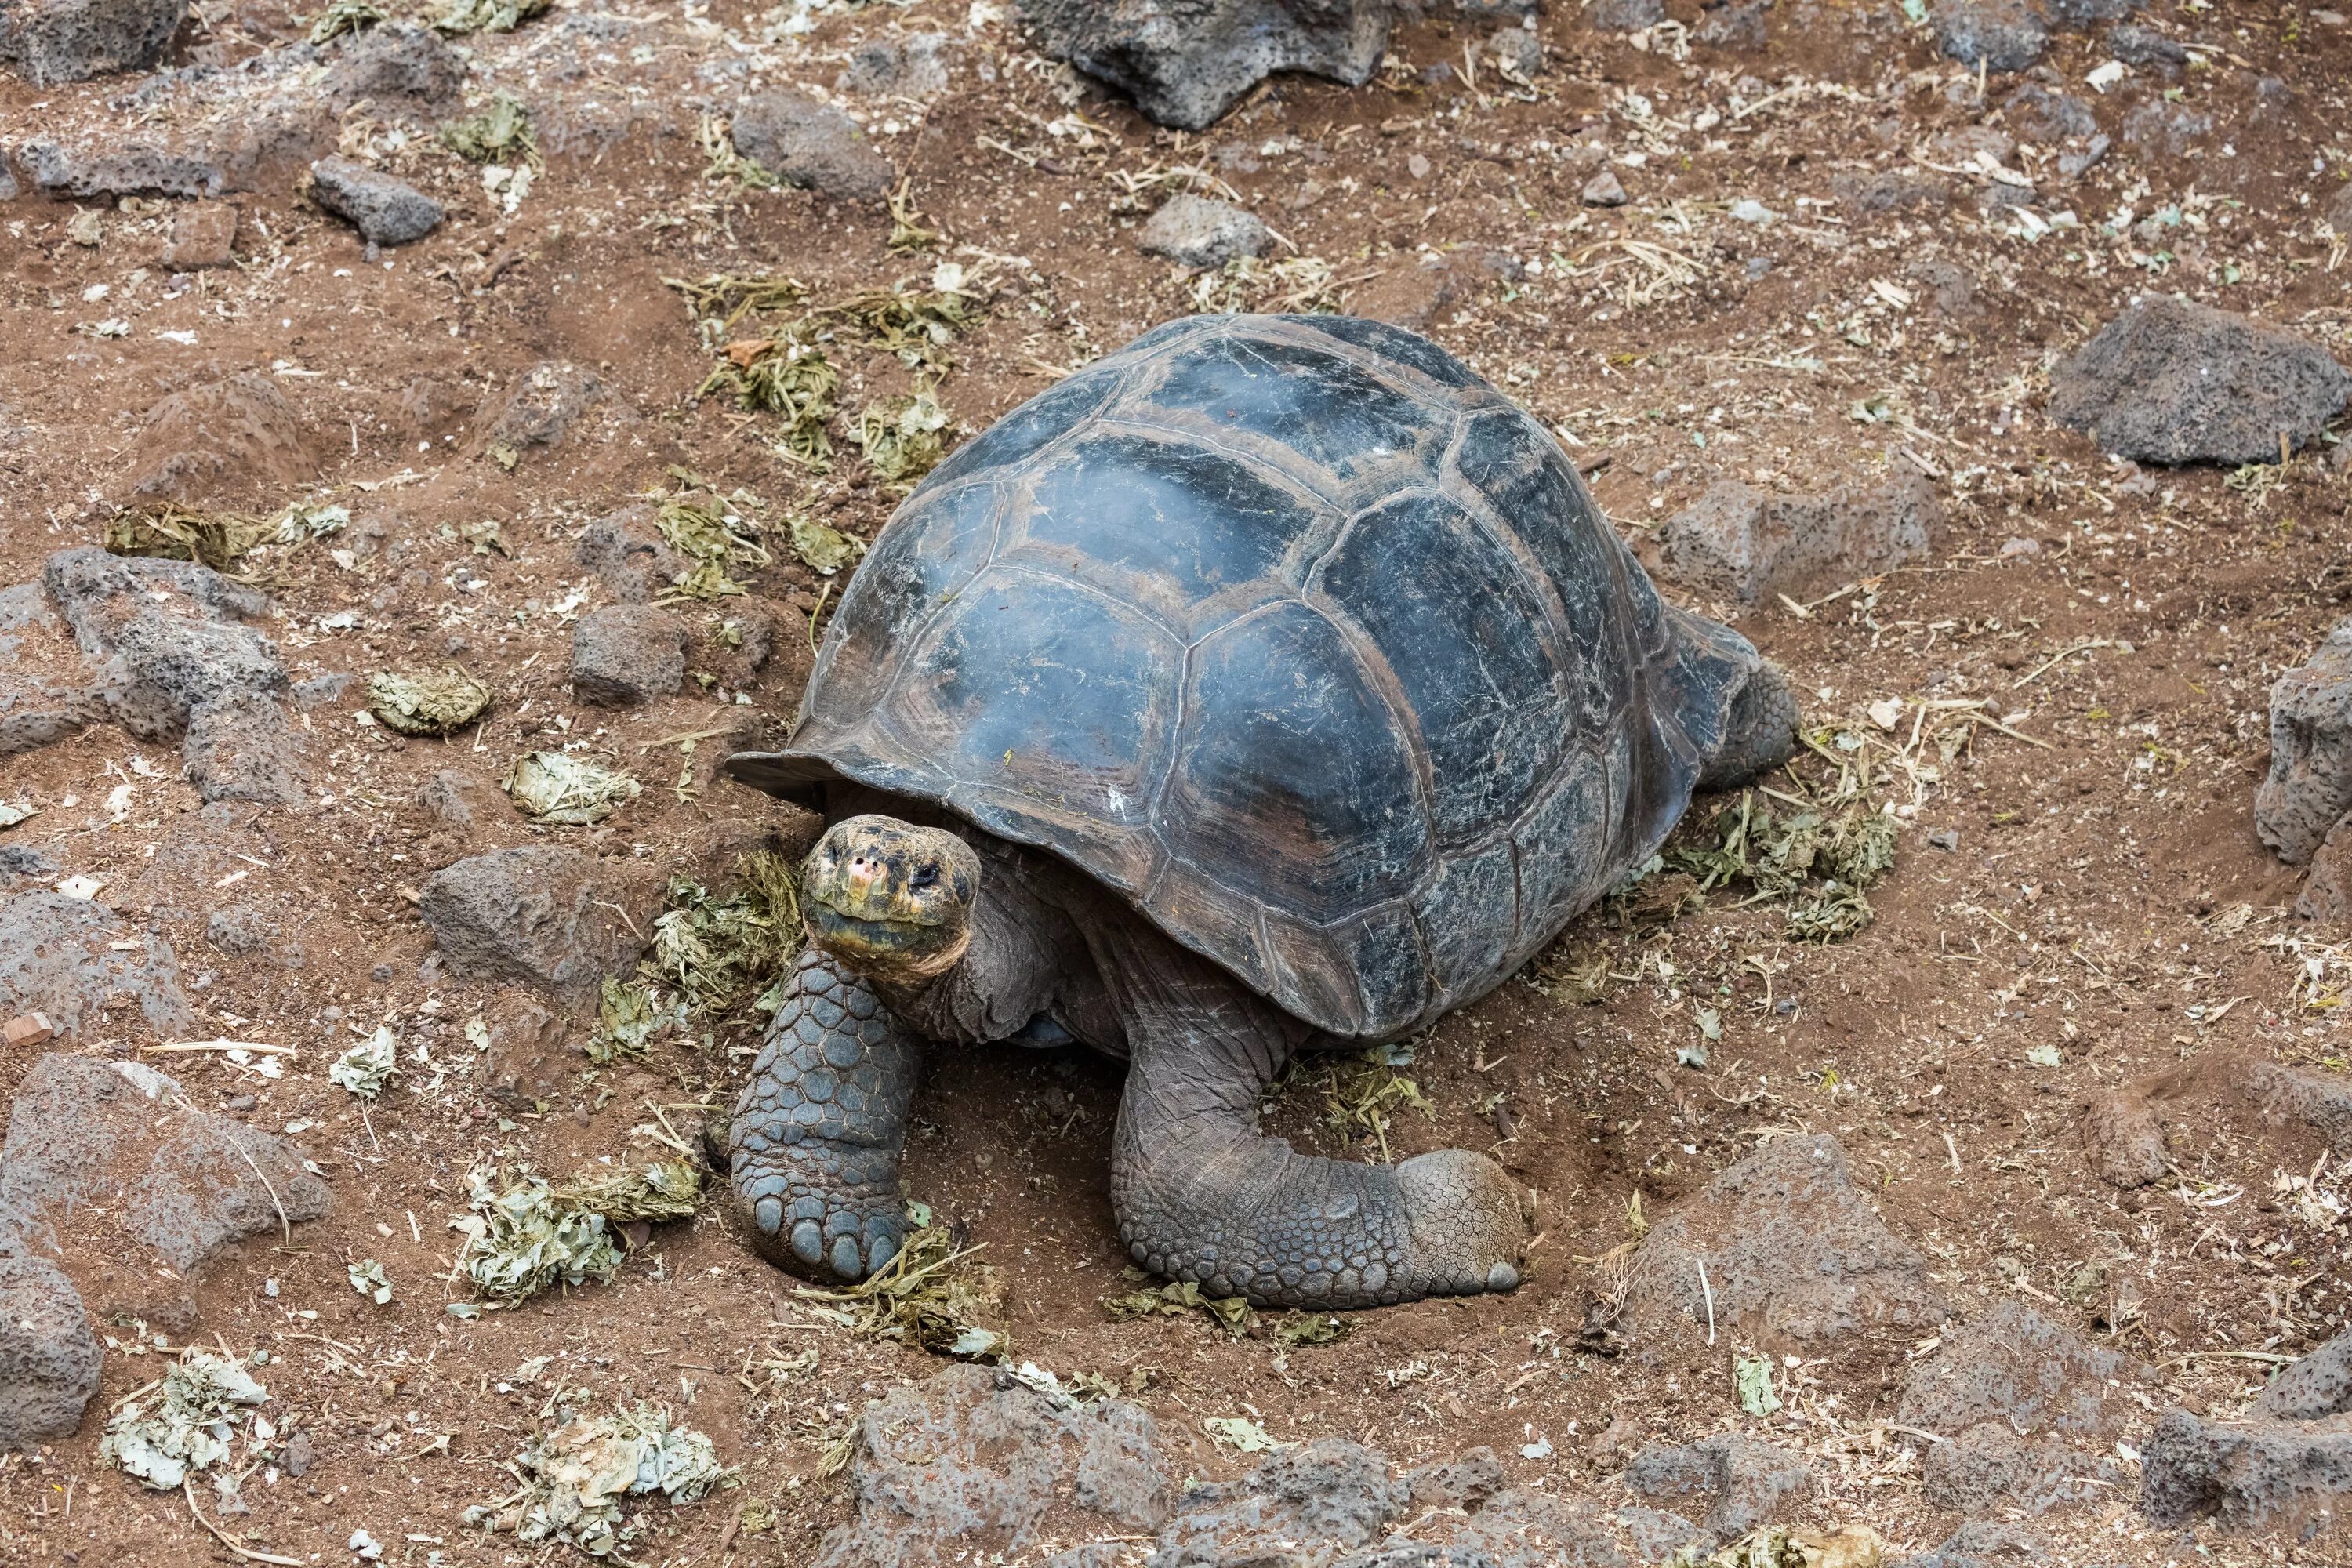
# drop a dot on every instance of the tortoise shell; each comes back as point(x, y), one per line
point(1297, 634)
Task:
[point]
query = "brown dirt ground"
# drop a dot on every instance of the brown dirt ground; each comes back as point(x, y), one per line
point(2107, 895)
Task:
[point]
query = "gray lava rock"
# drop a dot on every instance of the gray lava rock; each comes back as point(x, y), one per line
point(2029, 1412)
point(1982, 1544)
point(1514, 1529)
point(1604, 190)
point(134, 169)
point(2170, 128)
point(539, 914)
point(1626, 15)
point(2312, 1389)
point(235, 439)
point(808, 143)
point(21, 864)
point(624, 654)
point(1998, 35)
point(2339, 216)
point(73, 40)
point(2044, 115)
point(1194, 231)
point(57, 956)
point(48, 1358)
point(1520, 52)
point(2138, 46)
point(974, 1453)
point(240, 746)
point(33, 715)
point(1735, 27)
point(2171, 382)
point(1743, 1483)
point(545, 404)
point(2309, 787)
point(2326, 895)
point(394, 64)
point(1741, 543)
point(384, 210)
point(913, 67)
point(1793, 1253)
point(178, 1181)
point(2122, 1139)
point(628, 555)
point(2319, 1101)
point(1891, 190)
point(1329, 1494)
point(1186, 64)
point(1463, 1483)
point(2291, 1476)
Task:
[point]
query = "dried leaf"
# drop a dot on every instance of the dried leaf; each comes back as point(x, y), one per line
point(555, 786)
point(428, 704)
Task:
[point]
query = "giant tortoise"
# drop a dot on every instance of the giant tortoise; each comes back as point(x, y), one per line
point(1271, 683)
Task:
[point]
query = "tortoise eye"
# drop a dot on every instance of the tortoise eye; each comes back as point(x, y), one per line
point(924, 877)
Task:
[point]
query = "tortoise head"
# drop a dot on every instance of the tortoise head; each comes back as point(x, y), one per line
point(893, 902)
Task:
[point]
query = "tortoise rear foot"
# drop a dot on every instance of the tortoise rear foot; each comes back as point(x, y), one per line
point(818, 1132)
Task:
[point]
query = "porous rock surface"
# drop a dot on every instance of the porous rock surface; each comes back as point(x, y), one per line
point(236, 439)
point(173, 656)
point(551, 916)
point(176, 1183)
point(624, 654)
point(73, 40)
point(387, 211)
point(2309, 787)
point(2029, 1412)
point(629, 556)
point(124, 168)
point(543, 404)
point(1742, 1482)
point(1743, 543)
point(2172, 381)
point(1793, 1254)
point(57, 957)
point(973, 1452)
point(1187, 62)
point(2291, 1477)
point(2312, 1389)
point(813, 144)
point(48, 1357)
point(2122, 1140)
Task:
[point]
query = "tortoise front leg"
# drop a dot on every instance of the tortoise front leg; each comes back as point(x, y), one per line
point(819, 1128)
point(1201, 1196)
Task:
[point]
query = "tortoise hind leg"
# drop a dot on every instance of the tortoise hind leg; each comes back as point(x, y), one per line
point(818, 1130)
point(1201, 1196)
point(1760, 733)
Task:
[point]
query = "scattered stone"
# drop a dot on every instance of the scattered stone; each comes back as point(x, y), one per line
point(2313, 1389)
point(132, 169)
point(241, 746)
point(2309, 787)
point(2042, 114)
point(1196, 231)
point(1793, 1254)
point(1741, 543)
point(181, 1186)
point(31, 1029)
point(1892, 190)
point(394, 64)
point(2029, 1412)
point(2172, 128)
point(1186, 66)
point(2327, 895)
point(1998, 35)
point(72, 40)
point(34, 715)
point(913, 67)
point(2291, 1477)
point(1604, 190)
point(1463, 1483)
point(544, 404)
point(2172, 381)
point(2319, 1101)
point(625, 654)
point(49, 1358)
point(1329, 1493)
point(2136, 44)
point(811, 144)
point(976, 1452)
point(2122, 1140)
point(1627, 15)
point(1743, 1483)
point(1518, 52)
point(551, 916)
point(1734, 26)
point(628, 555)
point(58, 958)
point(225, 440)
point(384, 210)
point(202, 234)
